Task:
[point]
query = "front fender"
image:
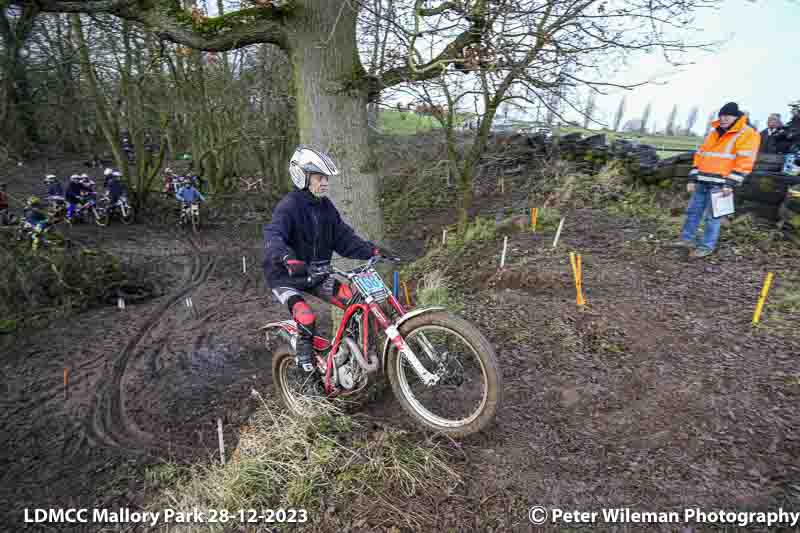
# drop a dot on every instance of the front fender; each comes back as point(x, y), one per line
point(285, 329)
point(416, 312)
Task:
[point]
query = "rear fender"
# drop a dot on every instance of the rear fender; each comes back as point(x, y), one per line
point(285, 330)
point(416, 312)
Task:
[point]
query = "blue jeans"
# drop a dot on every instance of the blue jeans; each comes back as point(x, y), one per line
point(700, 209)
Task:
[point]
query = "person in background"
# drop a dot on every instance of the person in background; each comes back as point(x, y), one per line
point(721, 163)
point(76, 194)
point(792, 129)
point(169, 181)
point(5, 217)
point(54, 187)
point(36, 218)
point(188, 194)
point(116, 189)
point(773, 138)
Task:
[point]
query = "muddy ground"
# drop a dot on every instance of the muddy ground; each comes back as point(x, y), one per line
point(657, 396)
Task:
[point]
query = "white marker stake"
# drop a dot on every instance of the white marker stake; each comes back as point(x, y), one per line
point(558, 233)
point(503, 257)
point(221, 442)
point(121, 303)
point(244, 265)
point(444, 237)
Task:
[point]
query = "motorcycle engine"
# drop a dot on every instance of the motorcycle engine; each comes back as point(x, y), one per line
point(349, 373)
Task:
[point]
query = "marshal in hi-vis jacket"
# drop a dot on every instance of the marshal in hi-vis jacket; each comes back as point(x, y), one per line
point(726, 157)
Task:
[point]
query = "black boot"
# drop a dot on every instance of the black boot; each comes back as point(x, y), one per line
point(305, 350)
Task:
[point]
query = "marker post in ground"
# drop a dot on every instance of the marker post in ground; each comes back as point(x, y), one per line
point(396, 285)
point(444, 237)
point(577, 272)
point(762, 298)
point(221, 442)
point(505, 247)
point(244, 265)
point(405, 290)
point(534, 216)
point(558, 233)
point(66, 382)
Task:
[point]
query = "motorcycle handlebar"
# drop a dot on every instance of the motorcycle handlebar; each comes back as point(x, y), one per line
point(328, 269)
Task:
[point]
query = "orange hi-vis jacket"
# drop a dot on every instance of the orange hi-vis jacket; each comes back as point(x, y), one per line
point(728, 158)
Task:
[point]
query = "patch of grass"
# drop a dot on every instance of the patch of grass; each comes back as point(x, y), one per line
point(163, 474)
point(480, 229)
point(329, 464)
point(410, 123)
point(787, 300)
point(405, 123)
point(434, 290)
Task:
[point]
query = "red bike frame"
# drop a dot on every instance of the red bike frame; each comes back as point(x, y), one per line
point(366, 309)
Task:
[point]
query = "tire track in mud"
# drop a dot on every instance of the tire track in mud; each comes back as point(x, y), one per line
point(108, 422)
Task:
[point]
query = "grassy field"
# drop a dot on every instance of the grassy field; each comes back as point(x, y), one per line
point(397, 123)
point(676, 142)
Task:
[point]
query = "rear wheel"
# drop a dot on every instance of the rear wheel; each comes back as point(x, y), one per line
point(469, 391)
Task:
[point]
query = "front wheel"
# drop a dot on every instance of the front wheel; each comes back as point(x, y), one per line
point(469, 391)
point(126, 214)
point(100, 216)
point(298, 392)
point(195, 220)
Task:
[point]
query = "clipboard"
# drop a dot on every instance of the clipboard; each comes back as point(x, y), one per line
point(721, 205)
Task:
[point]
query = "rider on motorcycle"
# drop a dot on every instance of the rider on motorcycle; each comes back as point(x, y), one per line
point(169, 180)
point(54, 187)
point(88, 183)
point(107, 176)
point(306, 228)
point(116, 189)
point(76, 193)
point(36, 217)
point(188, 194)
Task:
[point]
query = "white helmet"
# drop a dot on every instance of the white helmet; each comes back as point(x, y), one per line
point(50, 178)
point(85, 176)
point(117, 174)
point(107, 172)
point(307, 160)
point(74, 177)
point(791, 165)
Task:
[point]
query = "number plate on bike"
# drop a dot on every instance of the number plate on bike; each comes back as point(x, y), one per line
point(371, 285)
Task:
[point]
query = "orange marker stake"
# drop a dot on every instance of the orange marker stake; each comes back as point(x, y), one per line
point(575, 261)
point(534, 216)
point(405, 290)
point(66, 382)
point(582, 300)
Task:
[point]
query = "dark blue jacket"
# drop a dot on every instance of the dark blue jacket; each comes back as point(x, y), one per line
point(310, 229)
point(55, 189)
point(74, 191)
point(116, 189)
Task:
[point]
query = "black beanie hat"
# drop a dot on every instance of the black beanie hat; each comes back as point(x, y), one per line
point(731, 108)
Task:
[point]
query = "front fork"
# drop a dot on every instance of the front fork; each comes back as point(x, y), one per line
point(402, 346)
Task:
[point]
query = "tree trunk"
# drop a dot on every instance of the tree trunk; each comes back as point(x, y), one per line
point(331, 111)
point(18, 115)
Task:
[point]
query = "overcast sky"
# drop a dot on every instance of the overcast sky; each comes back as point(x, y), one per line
point(758, 67)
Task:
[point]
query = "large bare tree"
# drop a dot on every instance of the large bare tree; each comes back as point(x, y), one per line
point(542, 44)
